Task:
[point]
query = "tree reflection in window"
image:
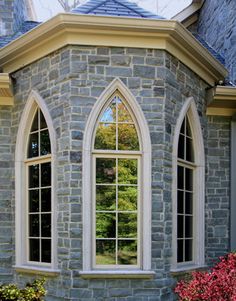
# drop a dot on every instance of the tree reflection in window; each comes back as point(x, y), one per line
point(116, 187)
point(39, 191)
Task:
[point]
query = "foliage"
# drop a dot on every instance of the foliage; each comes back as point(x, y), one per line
point(219, 284)
point(34, 291)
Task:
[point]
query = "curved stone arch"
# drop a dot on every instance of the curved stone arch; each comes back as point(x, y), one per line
point(34, 101)
point(144, 138)
point(189, 109)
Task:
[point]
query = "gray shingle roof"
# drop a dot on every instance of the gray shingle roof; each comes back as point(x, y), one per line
point(121, 8)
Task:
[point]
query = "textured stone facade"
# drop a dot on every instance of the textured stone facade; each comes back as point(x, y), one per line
point(70, 81)
point(217, 26)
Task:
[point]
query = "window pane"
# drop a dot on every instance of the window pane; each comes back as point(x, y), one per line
point(105, 225)
point(180, 226)
point(110, 113)
point(46, 250)
point(127, 137)
point(34, 200)
point(33, 147)
point(127, 252)
point(182, 130)
point(181, 147)
point(188, 203)
point(180, 184)
point(43, 123)
point(45, 147)
point(188, 129)
point(105, 170)
point(35, 125)
point(33, 176)
point(127, 225)
point(188, 226)
point(34, 225)
point(123, 113)
point(127, 198)
point(127, 171)
point(188, 250)
point(189, 179)
point(46, 200)
point(105, 197)
point(189, 150)
point(180, 201)
point(180, 251)
point(46, 225)
point(105, 252)
point(34, 250)
point(105, 136)
point(46, 174)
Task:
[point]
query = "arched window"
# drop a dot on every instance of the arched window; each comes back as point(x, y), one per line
point(116, 164)
point(188, 190)
point(35, 157)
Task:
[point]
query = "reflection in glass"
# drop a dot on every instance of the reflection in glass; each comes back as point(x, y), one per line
point(34, 200)
point(106, 136)
point(123, 113)
point(34, 225)
point(105, 252)
point(46, 174)
point(34, 176)
point(127, 171)
point(33, 147)
point(46, 250)
point(127, 225)
point(105, 225)
point(105, 197)
point(127, 137)
point(35, 124)
point(34, 250)
point(127, 198)
point(45, 147)
point(110, 113)
point(105, 170)
point(127, 252)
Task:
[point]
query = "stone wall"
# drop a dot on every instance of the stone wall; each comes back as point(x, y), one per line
point(217, 26)
point(70, 81)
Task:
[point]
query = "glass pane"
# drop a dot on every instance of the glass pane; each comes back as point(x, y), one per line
point(189, 150)
point(180, 201)
point(181, 147)
point(46, 174)
point(182, 130)
point(105, 136)
point(127, 225)
point(127, 171)
point(34, 225)
point(35, 125)
point(105, 170)
point(188, 203)
point(34, 249)
point(46, 200)
point(180, 251)
point(127, 137)
point(33, 147)
point(34, 200)
point(188, 129)
point(33, 176)
point(127, 198)
point(188, 250)
point(43, 123)
point(46, 225)
point(105, 252)
point(123, 113)
point(180, 184)
point(110, 113)
point(189, 179)
point(188, 226)
point(45, 147)
point(105, 225)
point(127, 252)
point(46, 250)
point(180, 226)
point(105, 197)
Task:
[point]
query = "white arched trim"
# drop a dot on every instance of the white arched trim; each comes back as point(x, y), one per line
point(189, 108)
point(34, 101)
point(145, 141)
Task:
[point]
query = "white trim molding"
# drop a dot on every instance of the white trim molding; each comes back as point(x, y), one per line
point(34, 101)
point(145, 145)
point(189, 109)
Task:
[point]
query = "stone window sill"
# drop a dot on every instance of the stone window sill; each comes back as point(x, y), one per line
point(187, 269)
point(117, 274)
point(37, 270)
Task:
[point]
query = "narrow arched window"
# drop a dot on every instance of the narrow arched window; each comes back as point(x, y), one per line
point(39, 190)
point(116, 156)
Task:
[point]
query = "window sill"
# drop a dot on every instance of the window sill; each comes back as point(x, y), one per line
point(187, 269)
point(37, 270)
point(117, 274)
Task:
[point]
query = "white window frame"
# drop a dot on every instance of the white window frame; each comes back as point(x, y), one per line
point(145, 183)
point(21, 163)
point(189, 108)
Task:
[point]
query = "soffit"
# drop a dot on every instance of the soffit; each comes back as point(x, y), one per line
point(6, 95)
point(66, 29)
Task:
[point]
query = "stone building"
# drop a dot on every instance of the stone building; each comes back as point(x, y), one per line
point(116, 129)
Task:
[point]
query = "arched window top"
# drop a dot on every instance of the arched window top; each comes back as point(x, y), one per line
point(185, 145)
point(116, 129)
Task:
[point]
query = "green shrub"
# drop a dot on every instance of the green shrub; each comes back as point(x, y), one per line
point(34, 291)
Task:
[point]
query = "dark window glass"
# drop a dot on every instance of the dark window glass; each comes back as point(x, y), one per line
point(188, 226)
point(35, 123)
point(46, 174)
point(34, 200)
point(45, 147)
point(34, 250)
point(188, 250)
point(34, 225)
point(180, 202)
point(180, 175)
point(180, 226)
point(181, 147)
point(34, 176)
point(33, 149)
point(46, 250)
point(189, 179)
point(46, 200)
point(43, 123)
point(46, 225)
point(188, 203)
point(189, 150)
point(180, 251)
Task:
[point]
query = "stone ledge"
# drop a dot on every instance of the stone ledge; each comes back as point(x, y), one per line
point(37, 270)
point(117, 274)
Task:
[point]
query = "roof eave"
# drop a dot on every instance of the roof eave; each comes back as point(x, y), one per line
point(6, 95)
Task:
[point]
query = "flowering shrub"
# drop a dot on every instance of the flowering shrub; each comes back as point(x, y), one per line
point(219, 284)
point(32, 292)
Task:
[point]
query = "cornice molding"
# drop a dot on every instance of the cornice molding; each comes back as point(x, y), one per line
point(221, 101)
point(71, 29)
point(6, 95)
